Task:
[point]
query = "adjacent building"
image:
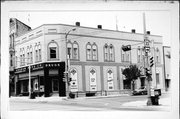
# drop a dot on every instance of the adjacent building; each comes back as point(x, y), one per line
point(16, 29)
point(96, 60)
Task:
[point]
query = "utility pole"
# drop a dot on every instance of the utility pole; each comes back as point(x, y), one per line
point(146, 51)
point(67, 73)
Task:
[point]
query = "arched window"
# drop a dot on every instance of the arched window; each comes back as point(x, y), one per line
point(111, 53)
point(39, 51)
point(31, 54)
point(53, 50)
point(69, 49)
point(106, 53)
point(23, 57)
point(28, 55)
point(75, 51)
point(88, 51)
point(36, 52)
point(94, 52)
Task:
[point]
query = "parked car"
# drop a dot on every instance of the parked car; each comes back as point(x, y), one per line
point(141, 91)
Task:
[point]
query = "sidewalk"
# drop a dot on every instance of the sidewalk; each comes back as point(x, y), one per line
point(57, 98)
point(164, 104)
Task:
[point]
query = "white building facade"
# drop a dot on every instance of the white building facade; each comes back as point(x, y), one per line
point(96, 60)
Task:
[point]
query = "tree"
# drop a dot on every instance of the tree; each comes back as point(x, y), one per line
point(132, 73)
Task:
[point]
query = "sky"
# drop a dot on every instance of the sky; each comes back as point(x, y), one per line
point(157, 22)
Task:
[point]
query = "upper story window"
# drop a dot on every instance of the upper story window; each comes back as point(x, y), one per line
point(69, 49)
point(28, 55)
point(94, 52)
point(157, 55)
point(106, 53)
point(36, 52)
point(75, 51)
point(111, 53)
point(23, 57)
point(53, 50)
point(125, 56)
point(88, 51)
point(39, 50)
point(31, 54)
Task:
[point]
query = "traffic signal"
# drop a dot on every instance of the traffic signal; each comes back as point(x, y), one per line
point(148, 73)
point(151, 61)
point(126, 48)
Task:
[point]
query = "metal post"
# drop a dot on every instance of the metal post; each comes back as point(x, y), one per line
point(148, 78)
point(29, 81)
point(67, 63)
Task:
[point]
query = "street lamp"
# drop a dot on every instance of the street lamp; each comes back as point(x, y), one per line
point(67, 60)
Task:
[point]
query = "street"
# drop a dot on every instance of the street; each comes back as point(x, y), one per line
point(81, 104)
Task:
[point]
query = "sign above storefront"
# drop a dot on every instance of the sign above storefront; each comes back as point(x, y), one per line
point(40, 66)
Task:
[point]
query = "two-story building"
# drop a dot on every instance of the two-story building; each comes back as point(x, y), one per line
point(96, 59)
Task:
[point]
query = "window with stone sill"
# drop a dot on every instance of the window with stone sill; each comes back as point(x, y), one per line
point(53, 50)
point(88, 51)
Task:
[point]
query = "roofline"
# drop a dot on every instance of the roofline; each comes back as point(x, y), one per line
point(21, 22)
point(87, 28)
point(100, 29)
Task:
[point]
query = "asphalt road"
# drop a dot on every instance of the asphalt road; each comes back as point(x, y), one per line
point(80, 104)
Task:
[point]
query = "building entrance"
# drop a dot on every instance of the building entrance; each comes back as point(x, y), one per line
point(55, 85)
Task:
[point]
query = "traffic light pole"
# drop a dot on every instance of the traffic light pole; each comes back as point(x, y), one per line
point(146, 50)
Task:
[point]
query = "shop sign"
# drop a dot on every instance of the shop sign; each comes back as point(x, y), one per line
point(93, 85)
point(36, 67)
point(74, 81)
point(110, 80)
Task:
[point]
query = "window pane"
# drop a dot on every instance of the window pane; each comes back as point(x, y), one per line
point(75, 53)
point(52, 52)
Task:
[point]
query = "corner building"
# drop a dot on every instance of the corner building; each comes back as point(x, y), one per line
point(96, 60)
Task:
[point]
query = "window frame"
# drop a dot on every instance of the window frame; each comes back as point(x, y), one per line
point(56, 49)
point(96, 52)
point(106, 53)
point(89, 52)
point(111, 59)
point(75, 56)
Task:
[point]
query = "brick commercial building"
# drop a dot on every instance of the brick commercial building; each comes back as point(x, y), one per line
point(16, 28)
point(96, 60)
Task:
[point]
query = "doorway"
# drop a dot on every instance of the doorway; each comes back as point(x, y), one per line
point(55, 85)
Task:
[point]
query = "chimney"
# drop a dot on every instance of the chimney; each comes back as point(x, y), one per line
point(77, 23)
point(133, 31)
point(99, 26)
point(148, 32)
